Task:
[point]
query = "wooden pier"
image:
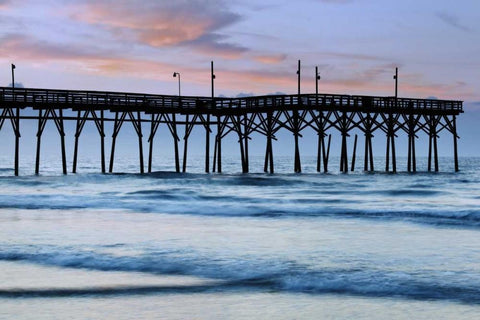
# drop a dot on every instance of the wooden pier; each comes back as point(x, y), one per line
point(265, 115)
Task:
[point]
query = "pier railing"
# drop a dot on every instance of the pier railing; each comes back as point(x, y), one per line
point(65, 99)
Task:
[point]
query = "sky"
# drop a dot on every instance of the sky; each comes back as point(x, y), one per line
point(135, 46)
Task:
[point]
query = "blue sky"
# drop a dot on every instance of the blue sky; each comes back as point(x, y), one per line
point(137, 45)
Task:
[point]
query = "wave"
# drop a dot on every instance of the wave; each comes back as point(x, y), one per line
point(245, 273)
point(437, 200)
point(200, 204)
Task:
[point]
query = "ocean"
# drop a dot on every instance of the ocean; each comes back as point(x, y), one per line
point(240, 246)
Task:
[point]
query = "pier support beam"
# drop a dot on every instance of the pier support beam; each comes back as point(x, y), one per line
point(321, 140)
point(238, 129)
point(62, 140)
point(344, 155)
point(138, 129)
point(42, 121)
point(41, 126)
point(454, 132)
point(390, 121)
point(268, 167)
point(327, 156)
point(412, 162)
point(185, 144)
point(344, 131)
point(432, 142)
point(217, 152)
point(246, 129)
point(368, 157)
point(102, 140)
point(150, 142)
point(368, 124)
point(172, 126)
point(137, 125)
point(207, 144)
point(116, 129)
point(175, 143)
point(7, 113)
point(99, 123)
point(17, 140)
point(296, 133)
point(354, 153)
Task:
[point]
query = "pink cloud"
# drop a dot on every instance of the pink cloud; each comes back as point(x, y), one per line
point(376, 80)
point(4, 4)
point(193, 23)
point(270, 59)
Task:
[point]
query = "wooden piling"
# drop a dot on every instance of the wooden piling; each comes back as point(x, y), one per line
point(321, 142)
point(62, 140)
point(75, 149)
point(175, 143)
point(269, 149)
point(410, 134)
point(215, 154)
point(207, 144)
point(354, 153)
point(219, 144)
point(455, 154)
point(414, 158)
point(328, 153)
point(298, 166)
point(372, 168)
point(102, 140)
point(150, 142)
point(185, 144)
point(39, 140)
point(430, 138)
point(435, 150)
point(140, 141)
point(114, 139)
point(365, 157)
point(17, 140)
point(387, 156)
point(246, 130)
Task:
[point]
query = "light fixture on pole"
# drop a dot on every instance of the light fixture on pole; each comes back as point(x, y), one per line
point(317, 77)
point(395, 77)
point(175, 74)
point(13, 76)
point(213, 78)
point(299, 75)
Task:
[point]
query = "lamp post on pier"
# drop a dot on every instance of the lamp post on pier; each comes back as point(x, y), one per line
point(13, 76)
point(296, 129)
point(175, 74)
point(320, 131)
point(175, 138)
point(395, 77)
point(317, 77)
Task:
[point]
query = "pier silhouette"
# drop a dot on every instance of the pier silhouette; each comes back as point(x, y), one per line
point(242, 116)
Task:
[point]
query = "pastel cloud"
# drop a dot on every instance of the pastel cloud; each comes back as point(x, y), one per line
point(213, 45)
point(270, 59)
point(28, 48)
point(195, 23)
point(258, 81)
point(4, 4)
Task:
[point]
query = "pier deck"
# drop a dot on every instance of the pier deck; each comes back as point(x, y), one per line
point(242, 116)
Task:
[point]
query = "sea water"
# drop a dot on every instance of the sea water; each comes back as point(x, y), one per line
point(240, 246)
